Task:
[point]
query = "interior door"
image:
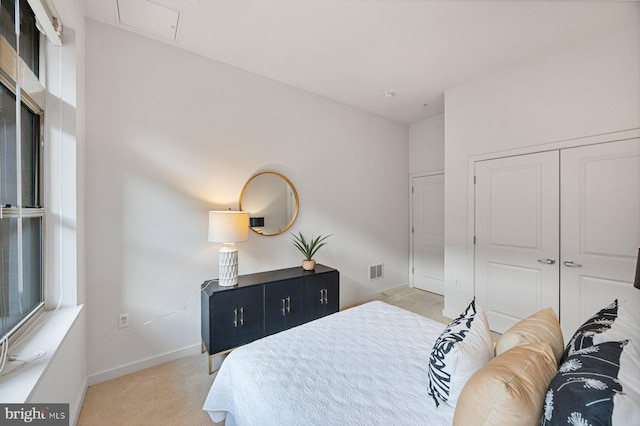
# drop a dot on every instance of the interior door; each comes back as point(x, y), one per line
point(517, 236)
point(600, 227)
point(428, 233)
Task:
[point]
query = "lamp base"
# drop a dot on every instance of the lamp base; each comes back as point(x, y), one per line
point(228, 265)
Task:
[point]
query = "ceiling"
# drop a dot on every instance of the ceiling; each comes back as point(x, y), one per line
point(355, 51)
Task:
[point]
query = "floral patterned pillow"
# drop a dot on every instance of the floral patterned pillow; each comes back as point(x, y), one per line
point(598, 381)
point(583, 390)
point(597, 324)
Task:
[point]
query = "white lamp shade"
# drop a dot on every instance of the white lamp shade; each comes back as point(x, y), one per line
point(228, 226)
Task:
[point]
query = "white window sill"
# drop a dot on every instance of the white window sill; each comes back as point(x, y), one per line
point(19, 379)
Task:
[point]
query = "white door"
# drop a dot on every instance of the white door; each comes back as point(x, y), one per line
point(428, 233)
point(517, 236)
point(600, 227)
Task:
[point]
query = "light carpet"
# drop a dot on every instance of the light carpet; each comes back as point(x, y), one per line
point(173, 393)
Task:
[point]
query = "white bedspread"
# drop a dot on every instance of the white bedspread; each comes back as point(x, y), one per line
point(363, 366)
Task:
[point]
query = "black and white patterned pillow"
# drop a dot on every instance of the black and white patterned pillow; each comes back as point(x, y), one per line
point(583, 390)
point(598, 381)
point(597, 324)
point(464, 346)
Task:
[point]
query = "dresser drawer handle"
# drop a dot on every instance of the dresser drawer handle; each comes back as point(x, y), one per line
point(235, 318)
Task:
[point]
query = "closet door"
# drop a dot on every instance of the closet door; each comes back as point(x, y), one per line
point(517, 238)
point(600, 227)
point(428, 233)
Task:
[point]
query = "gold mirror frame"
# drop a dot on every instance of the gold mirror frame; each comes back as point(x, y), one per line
point(294, 214)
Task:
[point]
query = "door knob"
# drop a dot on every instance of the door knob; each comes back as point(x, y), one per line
point(572, 264)
point(547, 261)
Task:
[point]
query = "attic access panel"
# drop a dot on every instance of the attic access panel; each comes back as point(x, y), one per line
point(149, 17)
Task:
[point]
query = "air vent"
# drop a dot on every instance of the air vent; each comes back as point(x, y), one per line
point(149, 17)
point(376, 272)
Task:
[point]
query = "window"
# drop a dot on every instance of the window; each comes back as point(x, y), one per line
point(29, 34)
point(22, 213)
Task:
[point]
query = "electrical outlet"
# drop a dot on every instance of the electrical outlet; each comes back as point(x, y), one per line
point(123, 321)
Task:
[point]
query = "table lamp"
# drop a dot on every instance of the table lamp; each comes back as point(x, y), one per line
point(228, 228)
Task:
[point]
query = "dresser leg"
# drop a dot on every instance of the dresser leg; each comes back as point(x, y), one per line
point(222, 355)
point(211, 370)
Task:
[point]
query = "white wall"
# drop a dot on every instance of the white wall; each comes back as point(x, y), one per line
point(171, 135)
point(426, 145)
point(589, 88)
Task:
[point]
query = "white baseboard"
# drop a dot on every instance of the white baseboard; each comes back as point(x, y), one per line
point(391, 288)
point(114, 373)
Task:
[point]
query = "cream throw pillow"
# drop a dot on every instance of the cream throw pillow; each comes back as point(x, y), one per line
point(509, 390)
point(543, 326)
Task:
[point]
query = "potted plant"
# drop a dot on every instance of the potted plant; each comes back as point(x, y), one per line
point(308, 248)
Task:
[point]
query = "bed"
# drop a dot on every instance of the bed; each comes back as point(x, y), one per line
point(367, 362)
point(378, 364)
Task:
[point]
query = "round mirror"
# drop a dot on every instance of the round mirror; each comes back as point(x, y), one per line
point(272, 203)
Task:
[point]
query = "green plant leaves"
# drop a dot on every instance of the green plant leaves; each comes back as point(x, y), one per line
point(309, 247)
